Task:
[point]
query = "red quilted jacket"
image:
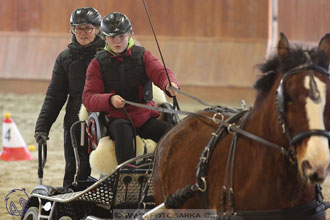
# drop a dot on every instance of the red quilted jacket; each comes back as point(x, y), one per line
point(96, 100)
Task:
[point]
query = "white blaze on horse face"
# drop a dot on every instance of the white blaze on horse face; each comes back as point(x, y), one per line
point(317, 150)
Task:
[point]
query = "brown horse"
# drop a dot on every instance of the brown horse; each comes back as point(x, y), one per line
point(269, 162)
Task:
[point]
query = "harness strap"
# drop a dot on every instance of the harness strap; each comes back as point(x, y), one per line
point(312, 132)
point(231, 156)
point(205, 158)
point(233, 147)
point(303, 212)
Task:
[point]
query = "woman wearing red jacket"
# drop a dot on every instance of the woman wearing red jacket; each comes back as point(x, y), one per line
point(125, 71)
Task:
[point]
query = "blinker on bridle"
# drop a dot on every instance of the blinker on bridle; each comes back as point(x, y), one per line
point(314, 94)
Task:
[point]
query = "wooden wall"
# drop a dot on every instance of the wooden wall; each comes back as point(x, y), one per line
point(304, 20)
point(202, 18)
point(205, 42)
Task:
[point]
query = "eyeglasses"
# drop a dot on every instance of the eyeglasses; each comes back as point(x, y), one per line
point(77, 30)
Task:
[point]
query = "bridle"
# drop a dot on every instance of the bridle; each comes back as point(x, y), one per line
point(314, 94)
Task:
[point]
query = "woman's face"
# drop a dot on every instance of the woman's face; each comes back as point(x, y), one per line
point(119, 42)
point(85, 34)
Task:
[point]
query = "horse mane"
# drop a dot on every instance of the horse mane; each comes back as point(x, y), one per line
point(276, 66)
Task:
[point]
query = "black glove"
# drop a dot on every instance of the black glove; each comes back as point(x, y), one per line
point(41, 137)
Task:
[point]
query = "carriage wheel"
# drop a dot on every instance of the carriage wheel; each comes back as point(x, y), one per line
point(31, 214)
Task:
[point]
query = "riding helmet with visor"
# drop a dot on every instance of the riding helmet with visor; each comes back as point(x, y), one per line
point(85, 15)
point(115, 23)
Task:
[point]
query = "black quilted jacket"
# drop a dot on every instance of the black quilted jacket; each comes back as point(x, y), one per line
point(67, 84)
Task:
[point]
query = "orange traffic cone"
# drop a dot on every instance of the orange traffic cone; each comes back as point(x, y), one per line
point(13, 144)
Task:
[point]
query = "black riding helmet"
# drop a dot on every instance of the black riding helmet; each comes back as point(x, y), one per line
point(85, 15)
point(115, 23)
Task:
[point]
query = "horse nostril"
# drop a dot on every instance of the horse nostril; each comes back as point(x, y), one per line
point(313, 174)
point(306, 165)
point(315, 178)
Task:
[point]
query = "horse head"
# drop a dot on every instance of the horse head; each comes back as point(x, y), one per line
point(301, 88)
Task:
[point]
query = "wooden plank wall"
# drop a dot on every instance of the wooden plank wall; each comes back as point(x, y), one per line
point(202, 18)
point(199, 61)
point(205, 42)
point(304, 20)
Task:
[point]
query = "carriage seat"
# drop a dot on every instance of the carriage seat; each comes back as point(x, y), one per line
point(101, 146)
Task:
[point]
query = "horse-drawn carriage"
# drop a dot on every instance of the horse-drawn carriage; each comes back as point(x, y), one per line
point(124, 186)
point(263, 163)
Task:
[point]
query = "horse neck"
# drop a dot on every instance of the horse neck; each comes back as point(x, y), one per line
point(264, 118)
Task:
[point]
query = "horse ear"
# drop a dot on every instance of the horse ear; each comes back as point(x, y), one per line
point(283, 45)
point(325, 45)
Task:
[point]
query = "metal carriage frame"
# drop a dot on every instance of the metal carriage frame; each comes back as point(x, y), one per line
point(125, 188)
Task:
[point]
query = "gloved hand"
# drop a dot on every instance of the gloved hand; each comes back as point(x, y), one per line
point(41, 137)
point(170, 90)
